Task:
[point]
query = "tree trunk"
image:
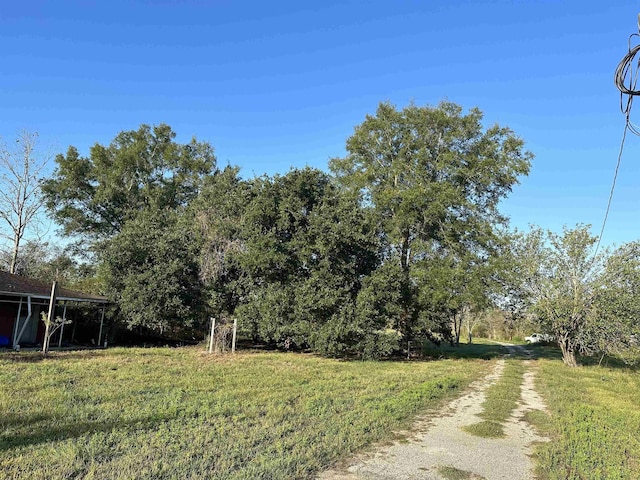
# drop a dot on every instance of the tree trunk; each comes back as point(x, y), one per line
point(457, 327)
point(568, 353)
point(406, 323)
point(14, 254)
point(404, 253)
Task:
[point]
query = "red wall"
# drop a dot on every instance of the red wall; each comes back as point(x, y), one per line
point(8, 313)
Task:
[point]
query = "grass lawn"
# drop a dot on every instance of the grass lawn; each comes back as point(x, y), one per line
point(177, 413)
point(595, 421)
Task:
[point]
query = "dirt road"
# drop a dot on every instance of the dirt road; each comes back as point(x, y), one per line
point(438, 448)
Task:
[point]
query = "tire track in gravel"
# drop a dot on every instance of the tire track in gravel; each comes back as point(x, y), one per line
point(439, 443)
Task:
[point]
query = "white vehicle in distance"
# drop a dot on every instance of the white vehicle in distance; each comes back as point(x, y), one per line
point(539, 337)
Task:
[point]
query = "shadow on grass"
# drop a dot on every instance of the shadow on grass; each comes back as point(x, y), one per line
point(36, 356)
point(552, 352)
point(545, 351)
point(610, 362)
point(485, 351)
point(63, 431)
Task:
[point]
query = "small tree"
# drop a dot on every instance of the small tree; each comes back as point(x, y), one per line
point(558, 276)
point(20, 198)
point(51, 327)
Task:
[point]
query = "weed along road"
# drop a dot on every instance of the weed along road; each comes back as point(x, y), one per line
point(481, 435)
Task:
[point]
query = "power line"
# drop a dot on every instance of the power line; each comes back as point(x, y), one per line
point(613, 186)
point(624, 72)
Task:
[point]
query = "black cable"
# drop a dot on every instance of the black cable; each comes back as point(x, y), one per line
point(613, 186)
point(624, 68)
point(624, 74)
point(624, 71)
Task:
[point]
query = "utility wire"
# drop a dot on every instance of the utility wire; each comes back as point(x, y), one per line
point(624, 72)
point(613, 186)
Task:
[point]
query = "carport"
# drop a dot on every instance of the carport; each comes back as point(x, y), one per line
point(23, 299)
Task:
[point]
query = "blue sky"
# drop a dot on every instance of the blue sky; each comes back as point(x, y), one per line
point(279, 84)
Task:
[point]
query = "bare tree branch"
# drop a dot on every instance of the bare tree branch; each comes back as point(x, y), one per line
point(21, 168)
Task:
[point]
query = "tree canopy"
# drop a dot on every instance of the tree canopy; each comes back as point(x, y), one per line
point(398, 242)
point(94, 196)
point(587, 300)
point(434, 177)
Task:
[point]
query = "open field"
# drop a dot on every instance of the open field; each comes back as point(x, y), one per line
point(176, 413)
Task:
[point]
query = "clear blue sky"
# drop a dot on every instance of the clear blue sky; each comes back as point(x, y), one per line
point(279, 84)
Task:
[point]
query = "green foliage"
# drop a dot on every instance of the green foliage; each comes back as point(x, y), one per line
point(396, 245)
point(176, 413)
point(95, 196)
point(617, 305)
point(306, 250)
point(150, 269)
point(127, 201)
point(46, 262)
point(568, 288)
point(433, 177)
point(588, 303)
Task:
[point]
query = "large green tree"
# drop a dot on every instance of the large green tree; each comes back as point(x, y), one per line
point(129, 202)
point(434, 176)
point(290, 256)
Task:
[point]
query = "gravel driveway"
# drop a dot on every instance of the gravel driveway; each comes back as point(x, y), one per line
point(438, 448)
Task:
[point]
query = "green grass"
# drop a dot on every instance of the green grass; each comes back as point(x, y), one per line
point(541, 422)
point(595, 422)
point(501, 399)
point(452, 473)
point(176, 413)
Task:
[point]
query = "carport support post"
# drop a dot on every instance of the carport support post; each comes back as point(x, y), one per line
point(17, 326)
point(64, 318)
point(101, 324)
point(50, 314)
point(24, 325)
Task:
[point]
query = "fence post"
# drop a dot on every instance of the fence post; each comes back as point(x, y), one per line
point(213, 331)
point(233, 340)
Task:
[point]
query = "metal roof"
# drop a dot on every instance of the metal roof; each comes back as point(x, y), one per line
point(16, 285)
